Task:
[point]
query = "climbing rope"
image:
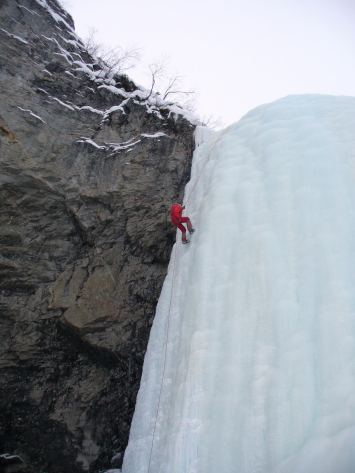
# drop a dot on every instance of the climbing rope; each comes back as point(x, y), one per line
point(171, 296)
point(166, 350)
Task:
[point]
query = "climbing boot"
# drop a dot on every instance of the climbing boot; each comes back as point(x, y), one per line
point(192, 231)
point(185, 242)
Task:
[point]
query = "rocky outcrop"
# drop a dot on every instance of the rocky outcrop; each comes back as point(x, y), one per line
point(89, 169)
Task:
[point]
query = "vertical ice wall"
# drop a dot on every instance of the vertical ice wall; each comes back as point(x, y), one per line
point(253, 366)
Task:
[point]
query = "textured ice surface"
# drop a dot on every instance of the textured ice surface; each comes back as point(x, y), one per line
point(260, 360)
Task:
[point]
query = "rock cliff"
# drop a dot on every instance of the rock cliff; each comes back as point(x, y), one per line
point(89, 169)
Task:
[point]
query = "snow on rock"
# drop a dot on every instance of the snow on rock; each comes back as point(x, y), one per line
point(14, 36)
point(113, 147)
point(63, 103)
point(175, 110)
point(250, 367)
point(56, 16)
point(31, 113)
point(123, 146)
point(70, 74)
point(102, 76)
point(90, 109)
point(91, 142)
point(155, 135)
point(115, 108)
point(11, 463)
point(115, 90)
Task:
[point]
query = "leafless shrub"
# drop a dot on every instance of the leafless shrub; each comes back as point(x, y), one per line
point(165, 85)
point(156, 73)
point(169, 85)
point(111, 60)
point(211, 121)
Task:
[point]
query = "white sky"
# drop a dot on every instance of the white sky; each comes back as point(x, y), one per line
point(238, 53)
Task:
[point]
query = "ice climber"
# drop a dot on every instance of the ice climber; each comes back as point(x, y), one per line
point(178, 220)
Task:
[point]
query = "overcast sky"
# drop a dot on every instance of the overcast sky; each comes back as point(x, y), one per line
point(238, 53)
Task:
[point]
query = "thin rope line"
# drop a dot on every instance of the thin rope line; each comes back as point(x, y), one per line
point(166, 349)
point(171, 298)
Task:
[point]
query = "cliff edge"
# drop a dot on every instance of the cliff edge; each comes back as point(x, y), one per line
point(89, 169)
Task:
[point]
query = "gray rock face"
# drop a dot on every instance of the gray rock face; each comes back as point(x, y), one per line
point(89, 171)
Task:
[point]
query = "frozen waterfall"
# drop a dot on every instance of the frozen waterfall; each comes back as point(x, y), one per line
point(253, 367)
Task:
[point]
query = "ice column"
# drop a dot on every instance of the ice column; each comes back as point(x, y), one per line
point(259, 356)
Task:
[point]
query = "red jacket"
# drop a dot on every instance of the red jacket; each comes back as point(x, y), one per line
point(175, 214)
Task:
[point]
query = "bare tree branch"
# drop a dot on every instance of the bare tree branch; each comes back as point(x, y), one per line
point(111, 60)
point(164, 84)
point(157, 71)
point(211, 121)
point(91, 45)
point(173, 82)
point(167, 84)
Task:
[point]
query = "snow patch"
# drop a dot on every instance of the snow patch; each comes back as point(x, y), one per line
point(156, 135)
point(64, 104)
point(115, 108)
point(42, 90)
point(91, 142)
point(31, 113)
point(58, 18)
point(90, 109)
point(123, 146)
point(14, 36)
point(115, 90)
point(104, 80)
